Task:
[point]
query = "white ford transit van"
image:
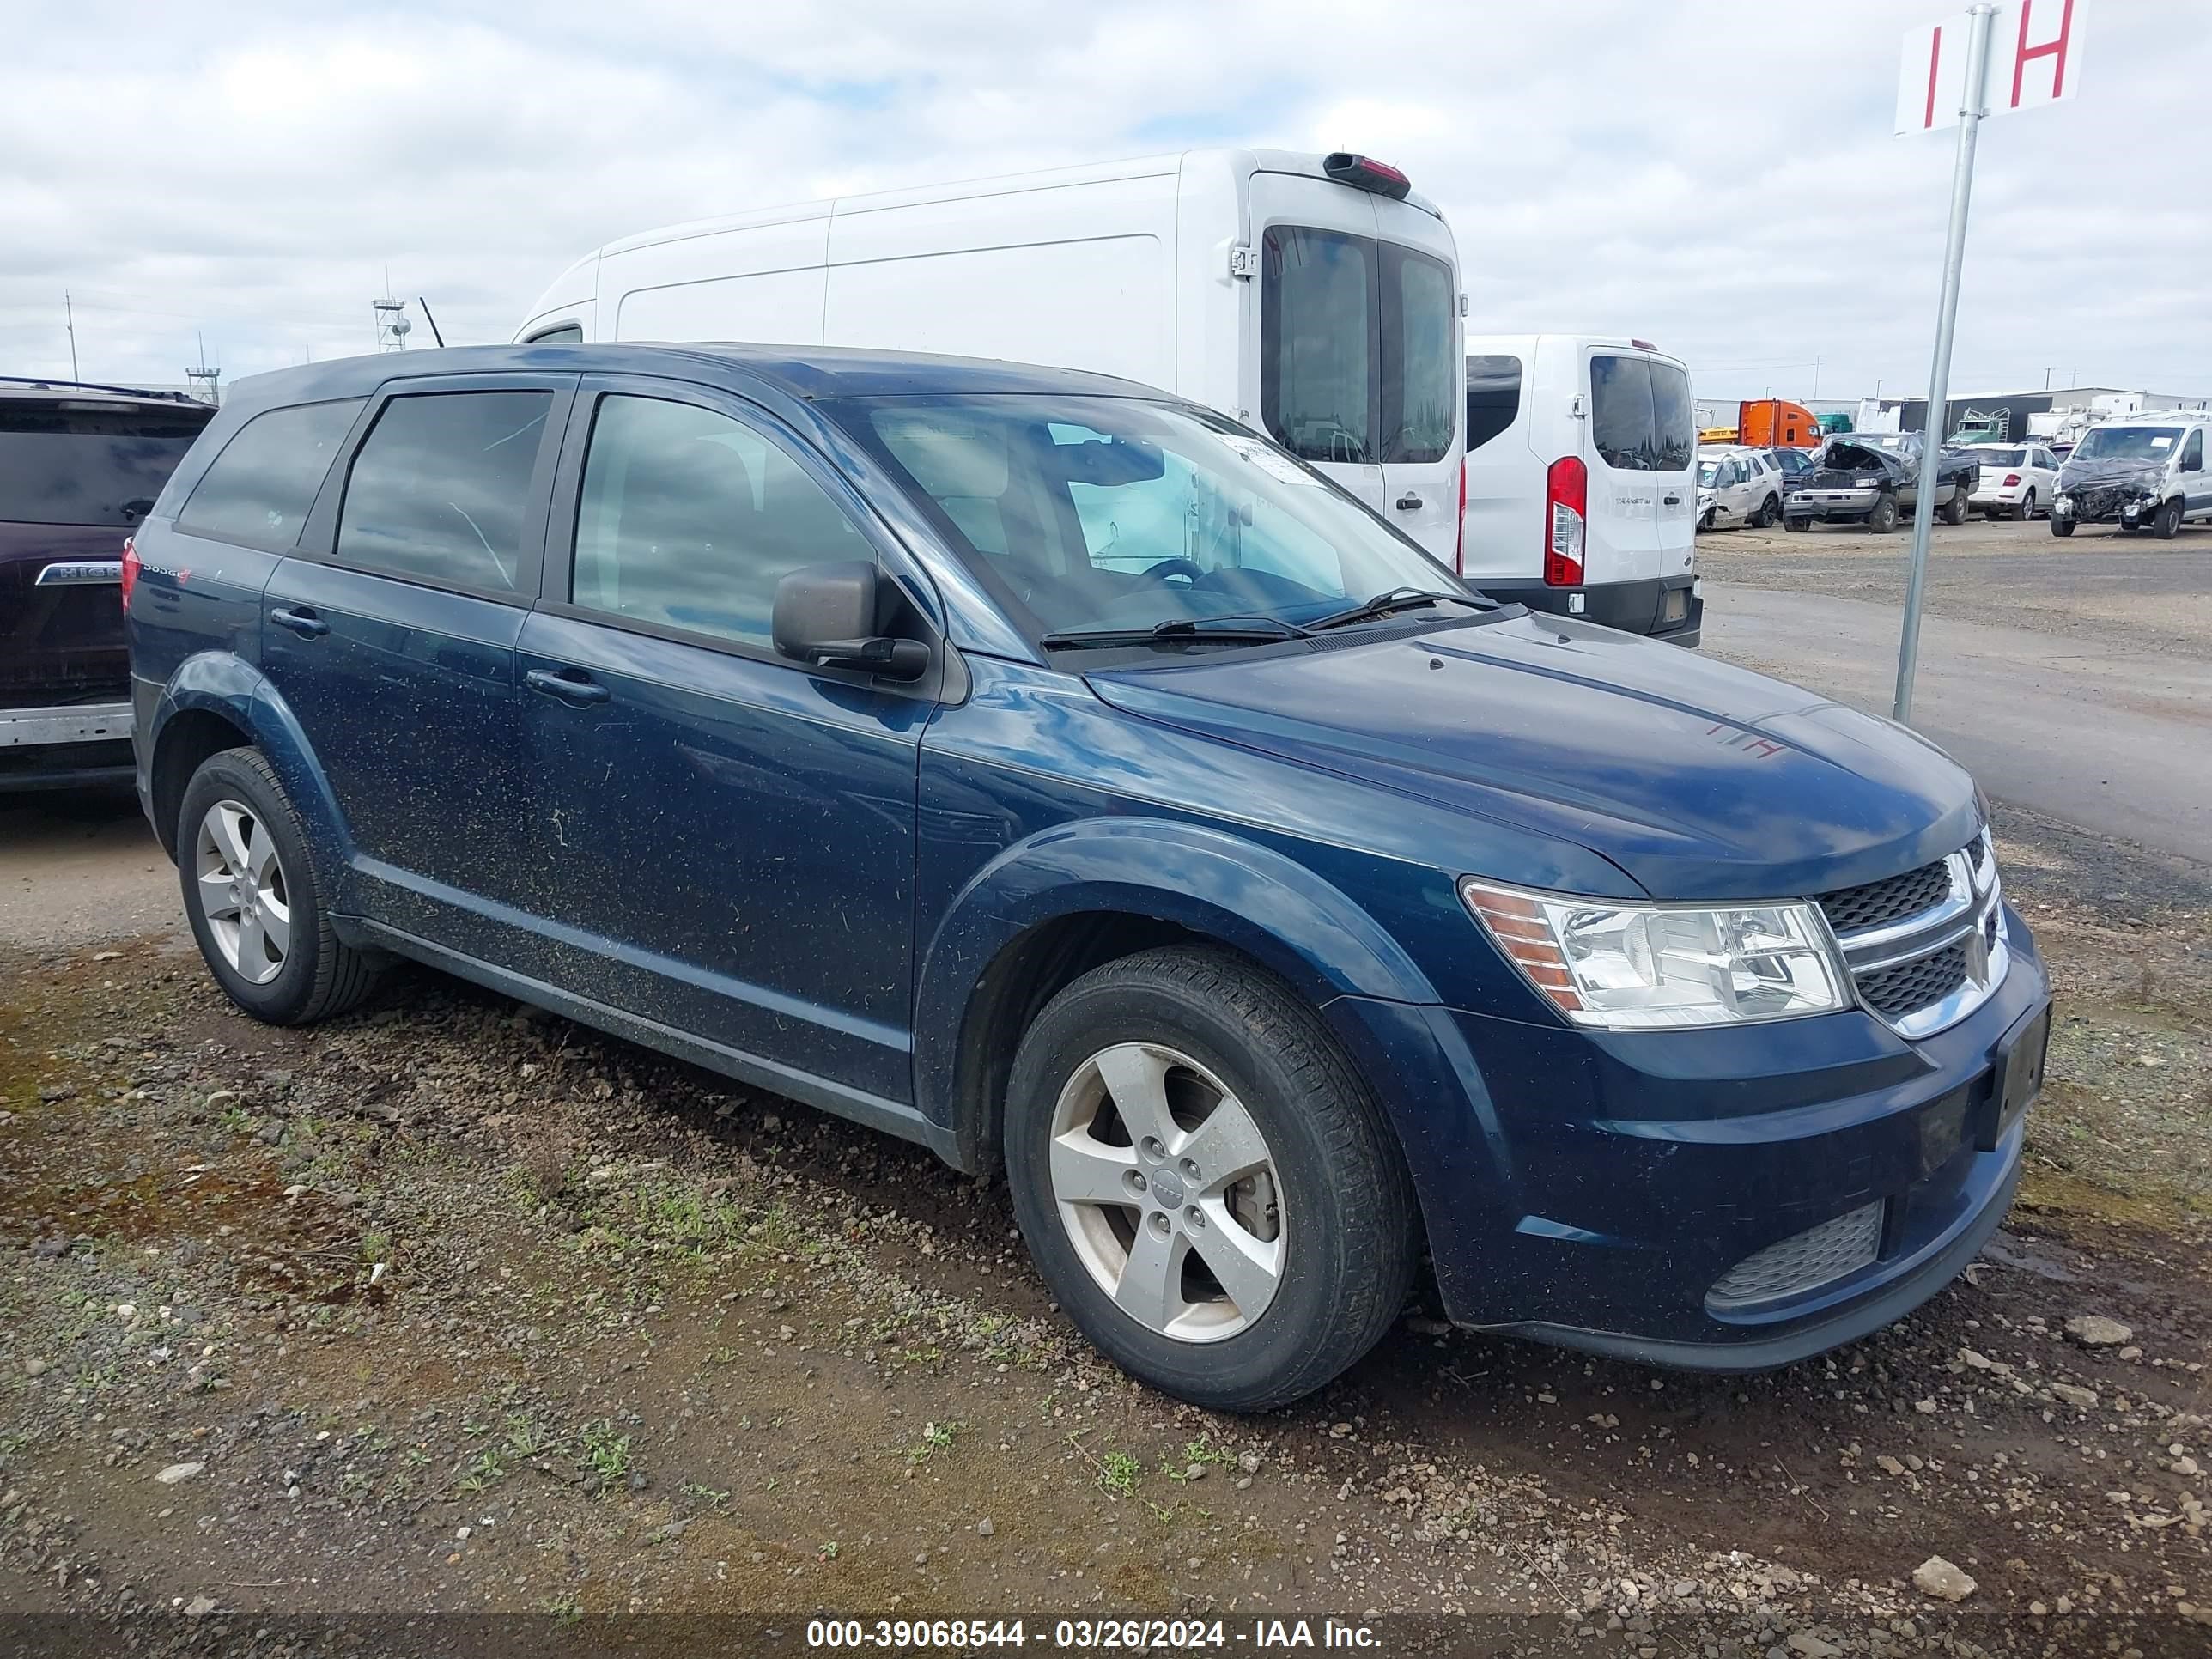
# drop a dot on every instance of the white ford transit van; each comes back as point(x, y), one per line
point(1582, 484)
point(1315, 297)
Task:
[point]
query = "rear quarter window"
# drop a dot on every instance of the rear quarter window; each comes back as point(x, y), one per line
point(259, 489)
point(85, 463)
point(1493, 396)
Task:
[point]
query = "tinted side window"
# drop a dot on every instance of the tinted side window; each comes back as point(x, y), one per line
point(1318, 334)
point(689, 519)
point(1494, 398)
point(437, 491)
point(76, 462)
point(1621, 412)
point(1418, 385)
point(259, 489)
point(2192, 454)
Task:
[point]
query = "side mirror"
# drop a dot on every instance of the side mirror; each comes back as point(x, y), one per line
point(825, 615)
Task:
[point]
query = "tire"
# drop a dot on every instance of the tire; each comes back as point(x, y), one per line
point(242, 861)
point(1201, 1027)
point(1796, 523)
point(2061, 526)
point(2166, 524)
point(1954, 510)
point(2026, 509)
point(1769, 513)
point(1883, 518)
point(1706, 521)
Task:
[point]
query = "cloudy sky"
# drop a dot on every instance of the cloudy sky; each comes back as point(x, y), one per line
point(1718, 176)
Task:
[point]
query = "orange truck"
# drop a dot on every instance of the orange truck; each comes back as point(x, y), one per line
point(1777, 423)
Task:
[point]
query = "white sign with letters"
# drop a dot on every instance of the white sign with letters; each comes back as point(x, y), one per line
point(2035, 57)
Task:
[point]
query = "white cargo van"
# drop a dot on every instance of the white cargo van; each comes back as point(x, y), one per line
point(1315, 297)
point(1581, 484)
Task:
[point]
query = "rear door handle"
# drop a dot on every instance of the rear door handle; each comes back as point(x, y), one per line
point(1674, 501)
point(306, 624)
point(1408, 501)
point(570, 686)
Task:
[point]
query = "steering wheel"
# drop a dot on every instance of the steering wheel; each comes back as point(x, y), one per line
point(1188, 568)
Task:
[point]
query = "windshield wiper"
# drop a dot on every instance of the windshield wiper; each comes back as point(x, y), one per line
point(1248, 630)
point(1393, 600)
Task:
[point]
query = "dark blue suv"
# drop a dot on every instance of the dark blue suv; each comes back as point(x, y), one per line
point(1068, 778)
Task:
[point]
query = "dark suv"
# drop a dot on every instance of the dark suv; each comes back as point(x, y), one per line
point(79, 467)
point(1069, 779)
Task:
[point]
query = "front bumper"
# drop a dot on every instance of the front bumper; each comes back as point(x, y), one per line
point(75, 745)
point(1831, 504)
point(1624, 1174)
point(2106, 504)
point(1670, 608)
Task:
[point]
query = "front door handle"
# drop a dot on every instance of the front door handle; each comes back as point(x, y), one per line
point(1674, 501)
point(1408, 501)
point(571, 687)
point(306, 624)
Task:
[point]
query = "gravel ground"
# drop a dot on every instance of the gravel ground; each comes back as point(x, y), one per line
point(2097, 585)
point(454, 1308)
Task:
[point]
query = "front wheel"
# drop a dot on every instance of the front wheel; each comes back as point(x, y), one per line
point(1205, 1183)
point(2061, 526)
point(1883, 518)
point(1954, 510)
point(2167, 523)
point(1797, 521)
point(251, 899)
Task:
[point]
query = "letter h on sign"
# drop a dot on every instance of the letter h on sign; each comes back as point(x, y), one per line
point(2035, 57)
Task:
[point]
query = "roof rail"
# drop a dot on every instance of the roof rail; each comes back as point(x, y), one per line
point(95, 386)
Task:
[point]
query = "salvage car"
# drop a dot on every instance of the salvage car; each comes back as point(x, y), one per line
point(80, 465)
point(2143, 471)
point(1272, 915)
point(1870, 478)
point(1737, 486)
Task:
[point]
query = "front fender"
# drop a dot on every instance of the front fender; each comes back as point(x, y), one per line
point(1273, 908)
point(222, 683)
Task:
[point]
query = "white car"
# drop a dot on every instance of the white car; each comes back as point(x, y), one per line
point(1738, 486)
point(2018, 480)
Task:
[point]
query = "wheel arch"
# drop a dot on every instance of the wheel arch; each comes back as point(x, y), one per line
point(1049, 909)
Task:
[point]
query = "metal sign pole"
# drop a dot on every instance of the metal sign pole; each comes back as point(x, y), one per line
point(1939, 375)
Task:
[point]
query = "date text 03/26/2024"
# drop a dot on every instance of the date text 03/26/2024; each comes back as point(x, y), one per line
point(1097, 1635)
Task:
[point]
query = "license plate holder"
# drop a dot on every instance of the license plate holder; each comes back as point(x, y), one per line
point(1675, 606)
point(2016, 1075)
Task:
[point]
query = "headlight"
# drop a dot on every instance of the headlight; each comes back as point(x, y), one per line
point(1641, 967)
point(2061, 504)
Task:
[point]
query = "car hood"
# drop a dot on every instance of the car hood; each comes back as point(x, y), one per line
point(1699, 780)
point(1840, 463)
point(2118, 469)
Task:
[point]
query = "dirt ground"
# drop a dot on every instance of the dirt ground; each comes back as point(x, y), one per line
point(454, 1308)
point(2095, 586)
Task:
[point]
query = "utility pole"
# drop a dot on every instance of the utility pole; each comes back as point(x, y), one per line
point(1816, 379)
point(69, 323)
point(1939, 373)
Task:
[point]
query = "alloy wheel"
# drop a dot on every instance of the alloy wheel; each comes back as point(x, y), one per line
point(243, 892)
point(1169, 1192)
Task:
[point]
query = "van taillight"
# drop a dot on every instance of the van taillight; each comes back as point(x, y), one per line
point(130, 577)
point(1459, 545)
point(1566, 497)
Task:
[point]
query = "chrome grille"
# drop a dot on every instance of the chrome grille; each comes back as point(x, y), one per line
point(1804, 1262)
point(1928, 947)
point(1877, 903)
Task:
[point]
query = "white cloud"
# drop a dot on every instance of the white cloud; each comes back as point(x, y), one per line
point(1718, 176)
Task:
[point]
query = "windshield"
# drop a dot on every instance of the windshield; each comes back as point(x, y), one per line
point(1106, 513)
point(89, 464)
point(2127, 443)
point(1708, 470)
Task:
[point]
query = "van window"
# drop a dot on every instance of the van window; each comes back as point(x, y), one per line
point(689, 519)
point(1418, 385)
point(1494, 398)
point(2192, 452)
point(80, 462)
point(257, 492)
point(1641, 419)
point(566, 334)
point(1318, 377)
point(437, 491)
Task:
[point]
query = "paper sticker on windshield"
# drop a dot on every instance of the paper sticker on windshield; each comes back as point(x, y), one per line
point(2161, 442)
point(1275, 466)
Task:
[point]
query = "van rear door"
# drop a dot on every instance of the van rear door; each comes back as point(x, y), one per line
point(1422, 439)
point(1640, 449)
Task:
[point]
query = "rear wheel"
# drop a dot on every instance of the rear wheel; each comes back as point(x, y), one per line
point(1204, 1181)
point(251, 896)
point(1883, 518)
point(2167, 522)
point(2025, 510)
point(1769, 513)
